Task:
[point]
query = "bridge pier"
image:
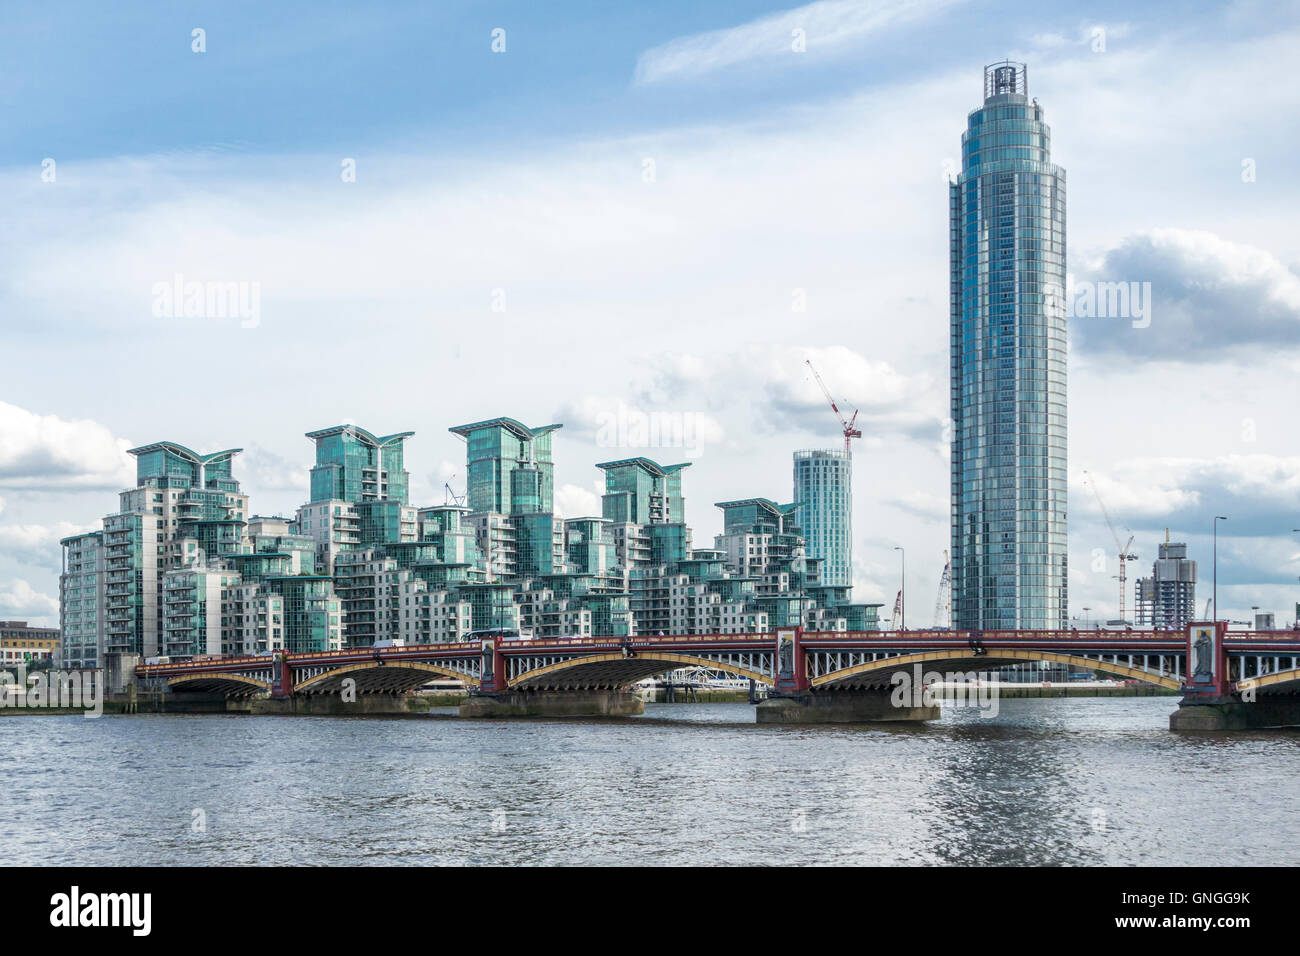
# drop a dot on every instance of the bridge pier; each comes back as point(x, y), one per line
point(839, 707)
point(551, 703)
point(1198, 713)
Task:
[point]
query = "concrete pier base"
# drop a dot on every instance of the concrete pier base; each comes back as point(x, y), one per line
point(1230, 713)
point(839, 707)
point(585, 703)
point(333, 705)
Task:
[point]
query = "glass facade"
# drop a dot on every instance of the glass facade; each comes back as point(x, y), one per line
point(823, 490)
point(496, 450)
point(642, 491)
point(354, 465)
point(1008, 357)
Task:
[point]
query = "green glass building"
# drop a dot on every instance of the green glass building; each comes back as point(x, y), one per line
point(642, 491)
point(354, 465)
point(510, 470)
point(823, 490)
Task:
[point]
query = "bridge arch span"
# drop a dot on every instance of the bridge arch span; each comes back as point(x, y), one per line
point(1281, 683)
point(611, 670)
point(878, 673)
point(379, 677)
point(232, 685)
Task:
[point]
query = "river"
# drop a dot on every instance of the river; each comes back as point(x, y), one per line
point(1083, 781)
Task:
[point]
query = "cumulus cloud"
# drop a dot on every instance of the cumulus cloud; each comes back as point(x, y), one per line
point(827, 26)
point(261, 469)
point(1257, 492)
point(19, 599)
point(37, 545)
point(1208, 296)
point(574, 501)
point(43, 451)
point(882, 395)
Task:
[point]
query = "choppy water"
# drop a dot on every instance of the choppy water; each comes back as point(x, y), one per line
point(1072, 781)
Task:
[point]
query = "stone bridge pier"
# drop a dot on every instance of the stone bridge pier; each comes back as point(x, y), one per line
point(1221, 693)
point(593, 686)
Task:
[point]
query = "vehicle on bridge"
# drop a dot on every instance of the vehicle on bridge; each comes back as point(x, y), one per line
point(498, 633)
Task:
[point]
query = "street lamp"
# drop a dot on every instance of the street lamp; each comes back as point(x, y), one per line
point(1085, 617)
point(902, 591)
point(1215, 595)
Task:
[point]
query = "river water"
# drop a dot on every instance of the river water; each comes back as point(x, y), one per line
point(1066, 781)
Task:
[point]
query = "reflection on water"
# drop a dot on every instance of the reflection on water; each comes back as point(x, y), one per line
point(1066, 781)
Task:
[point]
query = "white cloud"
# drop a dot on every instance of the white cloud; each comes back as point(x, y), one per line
point(261, 469)
point(827, 26)
point(1256, 491)
point(574, 501)
point(45, 451)
point(37, 544)
point(19, 599)
point(1208, 295)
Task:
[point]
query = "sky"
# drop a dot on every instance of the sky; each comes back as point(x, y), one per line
point(594, 213)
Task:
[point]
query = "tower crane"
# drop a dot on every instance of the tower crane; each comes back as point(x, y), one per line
point(450, 496)
point(1124, 553)
point(943, 603)
point(848, 424)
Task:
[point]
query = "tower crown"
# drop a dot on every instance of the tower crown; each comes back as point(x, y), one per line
point(1005, 77)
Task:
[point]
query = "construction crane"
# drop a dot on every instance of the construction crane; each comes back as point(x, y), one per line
point(897, 619)
point(846, 423)
point(943, 603)
point(450, 497)
point(1124, 553)
point(1206, 615)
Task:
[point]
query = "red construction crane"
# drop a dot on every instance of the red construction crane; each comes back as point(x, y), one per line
point(846, 423)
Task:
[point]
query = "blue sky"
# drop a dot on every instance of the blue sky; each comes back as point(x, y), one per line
point(649, 188)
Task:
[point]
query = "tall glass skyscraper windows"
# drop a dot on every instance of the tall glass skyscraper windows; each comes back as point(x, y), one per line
point(1008, 344)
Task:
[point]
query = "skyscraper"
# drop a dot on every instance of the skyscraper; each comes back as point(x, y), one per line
point(823, 490)
point(1008, 345)
point(1166, 600)
point(510, 467)
point(642, 491)
point(354, 465)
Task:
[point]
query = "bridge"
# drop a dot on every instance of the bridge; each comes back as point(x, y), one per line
point(1236, 680)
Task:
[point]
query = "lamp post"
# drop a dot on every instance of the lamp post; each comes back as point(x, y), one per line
point(902, 591)
point(1215, 594)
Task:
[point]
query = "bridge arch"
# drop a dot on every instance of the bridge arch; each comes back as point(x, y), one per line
point(380, 677)
point(883, 667)
point(612, 669)
point(232, 685)
point(1277, 683)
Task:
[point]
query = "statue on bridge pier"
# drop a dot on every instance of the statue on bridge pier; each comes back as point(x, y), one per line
point(1204, 663)
point(785, 655)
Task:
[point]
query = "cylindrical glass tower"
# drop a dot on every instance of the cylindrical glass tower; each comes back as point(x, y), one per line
point(1007, 212)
